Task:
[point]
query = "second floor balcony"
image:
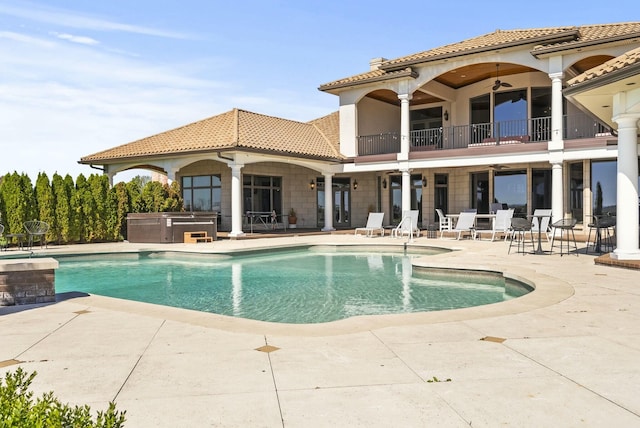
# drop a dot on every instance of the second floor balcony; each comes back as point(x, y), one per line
point(483, 134)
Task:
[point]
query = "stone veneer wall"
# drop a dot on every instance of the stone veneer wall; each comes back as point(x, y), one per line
point(27, 281)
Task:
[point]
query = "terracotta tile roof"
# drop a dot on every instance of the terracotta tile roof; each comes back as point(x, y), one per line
point(619, 63)
point(545, 40)
point(329, 126)
point(234, 130)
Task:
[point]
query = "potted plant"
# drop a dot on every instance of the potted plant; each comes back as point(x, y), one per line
point(293, 218)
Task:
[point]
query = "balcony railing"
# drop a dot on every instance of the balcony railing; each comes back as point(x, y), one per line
point(379, 144)
point(482, 134)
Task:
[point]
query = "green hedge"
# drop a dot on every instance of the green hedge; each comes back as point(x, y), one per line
point(89, 210)
point(19, 410)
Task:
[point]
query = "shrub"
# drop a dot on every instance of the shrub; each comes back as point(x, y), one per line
point(17, 408)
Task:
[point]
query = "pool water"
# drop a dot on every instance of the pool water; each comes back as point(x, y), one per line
point(289, 287)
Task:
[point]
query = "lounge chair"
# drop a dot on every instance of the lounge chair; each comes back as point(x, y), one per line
point(501, 224)
point(466, 223)
point(444, 222)
point(374, 225)
point(408, 225)
point(36, 231)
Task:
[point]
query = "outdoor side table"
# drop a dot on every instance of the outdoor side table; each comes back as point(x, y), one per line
point(19, 238)
point(565, 226)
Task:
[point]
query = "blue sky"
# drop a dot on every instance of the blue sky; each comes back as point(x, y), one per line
point(78, 77)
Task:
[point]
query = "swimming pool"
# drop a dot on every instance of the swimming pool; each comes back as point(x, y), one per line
point(303, 286)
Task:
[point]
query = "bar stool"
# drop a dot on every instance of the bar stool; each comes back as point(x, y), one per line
point(604, 225)
point(520, 227)
point(565, 225)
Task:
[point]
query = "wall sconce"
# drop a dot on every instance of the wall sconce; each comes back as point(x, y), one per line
point(384, 183)
point(446, 115)
point(312, 184)
point(355, 184)
point(424, 181)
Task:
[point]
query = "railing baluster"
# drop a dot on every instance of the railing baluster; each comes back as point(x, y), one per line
point(536, 129)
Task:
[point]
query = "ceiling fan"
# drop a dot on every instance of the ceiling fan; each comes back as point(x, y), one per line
point(498, 84)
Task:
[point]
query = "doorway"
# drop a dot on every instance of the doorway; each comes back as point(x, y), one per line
point(341, 201)
point(441, 194)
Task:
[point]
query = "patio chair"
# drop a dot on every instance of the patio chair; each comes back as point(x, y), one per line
point(544, 224)
point(408, 225)
point(495, 207)
point(604, 225)
point(501, 224)
point(519, 228)
point(374, 225)
point(444, 222)
point(36, 231)
point(466, 223)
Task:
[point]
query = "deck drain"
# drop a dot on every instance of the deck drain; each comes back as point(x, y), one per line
point(82, 312)
point(493, 339)
point(7, 363)
point(267, 348)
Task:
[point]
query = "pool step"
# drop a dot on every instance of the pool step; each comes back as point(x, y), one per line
point(196, 237)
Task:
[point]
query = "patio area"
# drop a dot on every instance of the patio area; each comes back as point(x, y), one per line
point(565, 355)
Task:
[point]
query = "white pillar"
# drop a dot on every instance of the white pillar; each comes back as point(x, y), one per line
point(110, 176)
point(627, 189)
point(236, 200)
point(405, 126)
point(556, 147)
point(557, 194)
point(328, 203)
point(171, 174)
point(557, 142)
point(406, 189)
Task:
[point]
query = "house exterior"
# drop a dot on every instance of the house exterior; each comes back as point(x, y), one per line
point(529, 118)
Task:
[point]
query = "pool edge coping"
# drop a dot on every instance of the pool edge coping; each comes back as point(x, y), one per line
point(548, 291)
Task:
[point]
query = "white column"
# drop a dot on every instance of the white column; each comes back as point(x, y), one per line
point(557, 142)
point(328, 203)
point(110, 176)
point(236, 200)
point(171, 174)
point(405, 126)
point(557, 194)
point(556, 147)
point(627, 189)
point(406, 189)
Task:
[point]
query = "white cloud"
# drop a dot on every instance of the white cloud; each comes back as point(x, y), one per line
point(62, 101)
point(23, 38)
point(83, 40)
point(66, 18)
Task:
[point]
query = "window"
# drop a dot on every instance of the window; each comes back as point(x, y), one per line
point(510, 113)
point(480, 191)
point(202, 193)
point(428, 118)
point(540, 102)
point(604, 187)
point(576, 187)
point(481, 109)
point(441, 193)
point(510, 187)
point(540, 189)
point(262, 193)
point(480, 118)
point(395, 188)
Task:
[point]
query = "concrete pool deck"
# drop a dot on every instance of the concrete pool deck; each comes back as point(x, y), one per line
point(566, 355)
